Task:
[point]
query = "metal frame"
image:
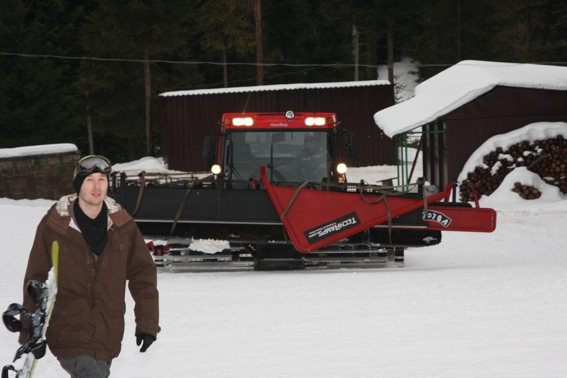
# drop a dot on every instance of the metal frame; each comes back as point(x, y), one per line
point(402, 153)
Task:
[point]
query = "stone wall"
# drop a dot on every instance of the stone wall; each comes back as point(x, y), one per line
point(47, 176)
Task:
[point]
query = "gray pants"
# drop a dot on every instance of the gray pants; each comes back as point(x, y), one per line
point(85, 367)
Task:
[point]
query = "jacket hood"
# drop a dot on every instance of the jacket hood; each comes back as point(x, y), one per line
point(62, 208)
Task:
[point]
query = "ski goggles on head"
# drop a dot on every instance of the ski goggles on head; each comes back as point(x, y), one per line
point(92, 163)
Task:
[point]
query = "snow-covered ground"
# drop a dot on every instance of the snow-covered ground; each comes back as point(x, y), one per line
point(477, 305)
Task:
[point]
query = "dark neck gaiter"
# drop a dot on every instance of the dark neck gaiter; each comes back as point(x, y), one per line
point(95, 231)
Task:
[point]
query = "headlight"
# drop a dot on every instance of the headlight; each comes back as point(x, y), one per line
point(314, 121)
point(216, 169)
point(341, 168)
point(244, 121)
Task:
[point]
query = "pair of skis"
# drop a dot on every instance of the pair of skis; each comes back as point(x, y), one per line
point(43, 294)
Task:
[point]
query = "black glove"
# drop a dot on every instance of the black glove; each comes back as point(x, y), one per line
point(146, 339)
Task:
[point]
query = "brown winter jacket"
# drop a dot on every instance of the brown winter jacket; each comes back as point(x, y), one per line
point(88, 317)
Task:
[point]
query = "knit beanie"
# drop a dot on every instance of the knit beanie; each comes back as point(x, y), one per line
point(86, 166)
point(80, 178)
point(78, 182)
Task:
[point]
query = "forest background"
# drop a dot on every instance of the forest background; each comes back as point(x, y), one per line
point(70, 69)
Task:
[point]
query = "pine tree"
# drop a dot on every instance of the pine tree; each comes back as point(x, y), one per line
point(134, 31)
point(287, 24)
point(226, 27)
point(35, 90)
point(454, 30)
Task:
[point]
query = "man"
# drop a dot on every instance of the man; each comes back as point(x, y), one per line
point(100, 249)
point(312, 161)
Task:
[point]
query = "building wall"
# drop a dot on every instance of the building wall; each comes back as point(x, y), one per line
point(40, 176)
point(186, 120)
point(498, 111)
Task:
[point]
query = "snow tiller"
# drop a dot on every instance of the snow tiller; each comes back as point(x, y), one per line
point(278, 198)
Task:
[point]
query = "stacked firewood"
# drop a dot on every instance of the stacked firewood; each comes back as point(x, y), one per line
point(547, 158)
point(526, 192)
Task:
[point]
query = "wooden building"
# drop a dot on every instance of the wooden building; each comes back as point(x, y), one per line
point(187, 117)
point(457, 110)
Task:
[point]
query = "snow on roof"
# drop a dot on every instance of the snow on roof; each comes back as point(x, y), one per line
point(463, 83)
point(278, 87)
point(45, 149)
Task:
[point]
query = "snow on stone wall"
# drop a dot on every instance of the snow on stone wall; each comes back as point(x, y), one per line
point(37, 171)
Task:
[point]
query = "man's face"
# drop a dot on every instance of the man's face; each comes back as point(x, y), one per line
point(311, 146)
point(94, 188)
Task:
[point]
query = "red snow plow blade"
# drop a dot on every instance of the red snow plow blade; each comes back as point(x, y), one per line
point(472, 219)
point(316, 218)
